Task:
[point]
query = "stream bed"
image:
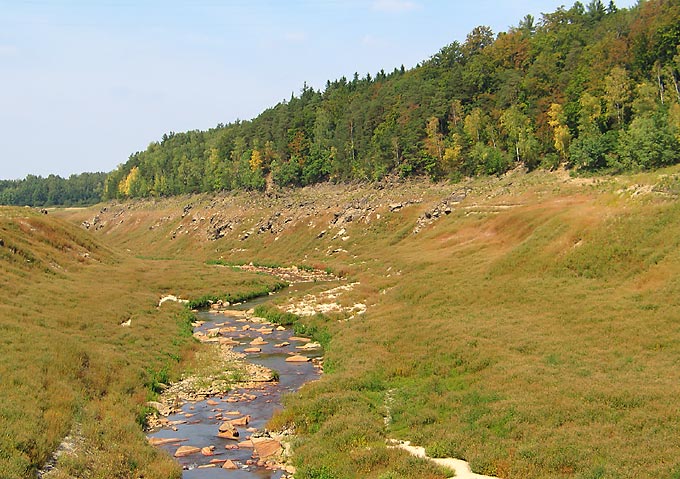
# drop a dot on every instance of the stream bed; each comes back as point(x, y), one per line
point(198, 422)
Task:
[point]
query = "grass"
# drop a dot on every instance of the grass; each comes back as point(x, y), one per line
point(65, 359)
point(532, 332)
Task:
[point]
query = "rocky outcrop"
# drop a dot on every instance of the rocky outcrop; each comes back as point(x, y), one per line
point(442, 209)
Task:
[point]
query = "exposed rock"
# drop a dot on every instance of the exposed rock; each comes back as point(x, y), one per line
point(234, 436)
point(229, 464)
point(266, 447)
point(159, 441)
point(297, 359)
point(309, 346)
point(242, 421)
point(183, 451)
point(162, 409)
point(227, 426)
point(208, 451)
point(252, 350)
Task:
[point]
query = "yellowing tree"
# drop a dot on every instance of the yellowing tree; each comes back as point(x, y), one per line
point(127, 185)
point(434, 142)
point(617, 92)
point(561, 133)
point(255, 160)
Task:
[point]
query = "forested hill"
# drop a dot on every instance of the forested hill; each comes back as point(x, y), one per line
point(591, 87)
point(76, 190)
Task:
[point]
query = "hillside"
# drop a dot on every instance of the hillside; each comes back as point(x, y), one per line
point(524, 323)
point(589, 87)
point(69, 364)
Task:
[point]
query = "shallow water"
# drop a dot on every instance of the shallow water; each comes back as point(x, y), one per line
point(201, 427)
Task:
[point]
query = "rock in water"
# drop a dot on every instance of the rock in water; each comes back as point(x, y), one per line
point(297, 359)
point(229, 464)
point(186, 451)
point(242, 421)
point(266, 446)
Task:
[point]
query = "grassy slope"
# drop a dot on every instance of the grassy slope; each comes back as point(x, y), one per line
point(64, 358)
point(533, 331)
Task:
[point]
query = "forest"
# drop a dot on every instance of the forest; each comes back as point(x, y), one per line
point(76, 190)
point(592, 88)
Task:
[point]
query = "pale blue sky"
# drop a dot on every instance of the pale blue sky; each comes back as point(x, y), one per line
point(84, 83)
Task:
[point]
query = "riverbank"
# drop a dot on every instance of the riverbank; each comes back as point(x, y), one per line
point(215, 417)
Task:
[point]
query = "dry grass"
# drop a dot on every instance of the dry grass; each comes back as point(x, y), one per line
point(66, 359)
point(533, 331)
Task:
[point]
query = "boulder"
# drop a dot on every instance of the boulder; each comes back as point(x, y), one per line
point(233, 435)
point(159, 441)
point(229, 464)
point(266, 446)
point(299, 339)
point(211, 402)
point(208, 451)
point(258, 342)
point(227, 426)
point(242, 421)
point(297, 359)
point(252, 350)
point(186, 451)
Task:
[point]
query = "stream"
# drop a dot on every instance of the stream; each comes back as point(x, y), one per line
point(198, 422)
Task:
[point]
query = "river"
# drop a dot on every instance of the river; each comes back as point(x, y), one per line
point(198, 422)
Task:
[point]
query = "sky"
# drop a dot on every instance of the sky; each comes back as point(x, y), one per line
point(85, 83)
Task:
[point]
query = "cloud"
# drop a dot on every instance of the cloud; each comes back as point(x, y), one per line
point(395, 6)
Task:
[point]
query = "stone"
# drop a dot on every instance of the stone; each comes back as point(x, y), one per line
point(242, 421)
point(297, 359)
point(232, 413)
point(229, 464)
point(160, 441)
point(280, 328)
point(211, 402)
point(208, 451)
point(252, 350)
point(162, 409)
point(299, 339)
point(266, 447)
point(309, 346)
point(227, 426)
point(258, 342)
point(233, 435)
point(206, 466)
point(183, 451)
point(247, 444)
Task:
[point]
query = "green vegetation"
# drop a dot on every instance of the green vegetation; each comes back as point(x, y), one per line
point(530, 331)
point(258, 290)
point(590, 87)
point(68, 363)
point(76, 190)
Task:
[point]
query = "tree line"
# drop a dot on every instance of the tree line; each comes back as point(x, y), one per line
point(591, 87)
point(76, 190)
